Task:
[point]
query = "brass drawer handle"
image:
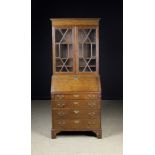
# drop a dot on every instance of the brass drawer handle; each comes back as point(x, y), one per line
point(91, 113)
point(76, 111)
point(60, 104)
point(75, 103)
point(61, 123)
point(91, 104)
point(76, 121)
point(76, 95)
point(91, 96)
point(60, 97)
point(61, 113)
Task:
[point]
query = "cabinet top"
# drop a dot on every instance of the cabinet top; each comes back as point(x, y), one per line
point(74, 21)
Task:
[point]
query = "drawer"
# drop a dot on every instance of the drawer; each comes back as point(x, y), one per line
point(76, 124)
point(76, 96)
point(88, 104)
point(76, 113)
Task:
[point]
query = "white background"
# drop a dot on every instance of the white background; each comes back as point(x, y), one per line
point(138, 77)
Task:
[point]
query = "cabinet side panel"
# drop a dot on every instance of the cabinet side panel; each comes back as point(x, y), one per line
point(53, 47)
point(97, 49)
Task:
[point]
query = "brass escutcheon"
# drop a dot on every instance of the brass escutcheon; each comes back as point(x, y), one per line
point(76, 111)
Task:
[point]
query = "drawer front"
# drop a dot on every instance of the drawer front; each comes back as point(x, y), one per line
point(88, 104)
point(76, 113)
point(77, 96)
point(76, 124)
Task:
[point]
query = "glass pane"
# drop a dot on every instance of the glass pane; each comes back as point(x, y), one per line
point(64, 50)
point(63, 35)
point(92, 36)
point(87, 50)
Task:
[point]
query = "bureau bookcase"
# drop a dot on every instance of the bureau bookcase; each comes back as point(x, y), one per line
point(75, 83)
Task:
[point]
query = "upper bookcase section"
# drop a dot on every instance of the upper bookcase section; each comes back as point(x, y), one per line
point(75, 21)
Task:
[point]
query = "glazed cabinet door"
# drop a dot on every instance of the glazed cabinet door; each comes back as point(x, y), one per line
point(87, 49)
point(63, 49)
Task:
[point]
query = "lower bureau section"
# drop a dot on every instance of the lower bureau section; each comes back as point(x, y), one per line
point(76, 114)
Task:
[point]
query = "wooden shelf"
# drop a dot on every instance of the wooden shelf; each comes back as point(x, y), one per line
point(63, 43)
point(64, 66)
point(64, 58)
point(89, 66)
point(87, 43)
point(87, 58)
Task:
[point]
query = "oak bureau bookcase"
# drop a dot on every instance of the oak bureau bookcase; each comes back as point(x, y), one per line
point(75, 85)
